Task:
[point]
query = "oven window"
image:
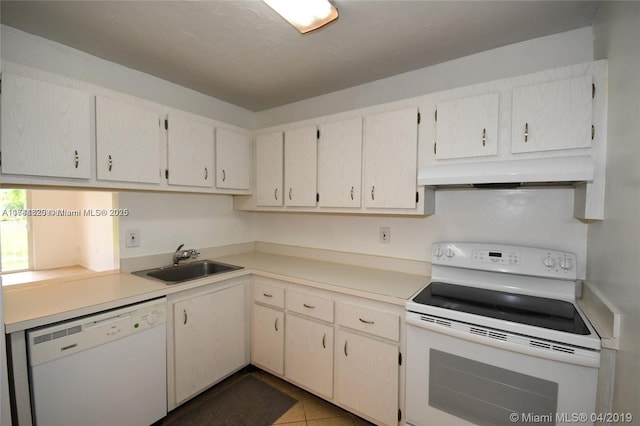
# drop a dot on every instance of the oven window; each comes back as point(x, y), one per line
point(485, 394)
point(537, 311)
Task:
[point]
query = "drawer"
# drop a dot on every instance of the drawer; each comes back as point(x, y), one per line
point(371, 321)
point(311, 305)
point(268, 294)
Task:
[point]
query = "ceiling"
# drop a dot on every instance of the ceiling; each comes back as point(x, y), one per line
point(243, 53)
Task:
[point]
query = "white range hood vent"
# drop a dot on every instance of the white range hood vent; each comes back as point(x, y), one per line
point(510, 173)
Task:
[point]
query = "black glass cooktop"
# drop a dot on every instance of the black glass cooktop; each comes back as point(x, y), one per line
point(531, 310)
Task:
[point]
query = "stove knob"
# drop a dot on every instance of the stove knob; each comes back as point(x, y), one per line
point(449, 253)
point(566, 263)
point(549, 262)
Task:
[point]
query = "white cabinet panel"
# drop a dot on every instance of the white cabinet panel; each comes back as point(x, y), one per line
point(190, 152)
point(366, 376)
point(300, 165)
point(209, 339)
point(340, 163)
point(128, 140)
point(552, 116)
point(390, 159)
point(233, 159)
point(269, 169)
point(309, 354)
point(267, 338)
point(45, 129)
point(467, 127)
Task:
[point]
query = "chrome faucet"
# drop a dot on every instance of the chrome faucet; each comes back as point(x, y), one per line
point(184, 254)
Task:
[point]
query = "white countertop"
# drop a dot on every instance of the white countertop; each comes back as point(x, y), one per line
point(37, 304)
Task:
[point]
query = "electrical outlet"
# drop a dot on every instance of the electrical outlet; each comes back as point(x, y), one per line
point(133, 238)
point(385, 235)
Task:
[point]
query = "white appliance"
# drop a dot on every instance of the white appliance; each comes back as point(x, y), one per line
point(497, 338)
point(105, 369)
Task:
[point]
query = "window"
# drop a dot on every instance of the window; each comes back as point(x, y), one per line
point(14, 230)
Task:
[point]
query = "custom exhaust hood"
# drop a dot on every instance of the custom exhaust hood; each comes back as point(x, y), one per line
point(510, 173)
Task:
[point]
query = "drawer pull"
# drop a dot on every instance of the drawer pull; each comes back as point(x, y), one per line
point(275, 325)
point(366, 321)
point(267, 295)
point(324, 340)
point(308, 306)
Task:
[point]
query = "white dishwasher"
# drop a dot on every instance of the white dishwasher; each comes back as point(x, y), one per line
point(105, 369)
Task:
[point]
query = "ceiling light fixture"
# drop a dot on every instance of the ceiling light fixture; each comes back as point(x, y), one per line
point(305, 15)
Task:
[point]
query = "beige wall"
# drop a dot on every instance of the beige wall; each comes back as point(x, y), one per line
point(614, 244)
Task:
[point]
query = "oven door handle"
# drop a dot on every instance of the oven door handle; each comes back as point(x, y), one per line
point(589, 359)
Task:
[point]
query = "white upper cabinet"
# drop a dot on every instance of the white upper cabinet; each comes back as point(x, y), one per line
point(233, 159)
point(340, 163)
point(128, 142)
point(269, 169)
point(300, 166)
point(467, 127)
point(45, 129)
point(552, 116)
point(190, 152)
point(390, 159)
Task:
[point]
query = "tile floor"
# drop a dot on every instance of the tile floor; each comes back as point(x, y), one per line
point(310, 410)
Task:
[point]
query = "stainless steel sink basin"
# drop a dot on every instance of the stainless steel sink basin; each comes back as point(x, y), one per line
point(188, 271)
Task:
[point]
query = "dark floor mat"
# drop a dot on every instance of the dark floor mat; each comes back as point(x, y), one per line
point(249, 401)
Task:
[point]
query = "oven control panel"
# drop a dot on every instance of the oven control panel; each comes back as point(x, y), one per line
point(506, 258)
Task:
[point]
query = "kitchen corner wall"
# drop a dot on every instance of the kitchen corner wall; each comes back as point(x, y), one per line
point(614, 243)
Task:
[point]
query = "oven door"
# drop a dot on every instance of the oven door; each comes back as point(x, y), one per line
point(484, 376)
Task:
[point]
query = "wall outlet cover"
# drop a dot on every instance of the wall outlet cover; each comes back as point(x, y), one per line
point(132, 238)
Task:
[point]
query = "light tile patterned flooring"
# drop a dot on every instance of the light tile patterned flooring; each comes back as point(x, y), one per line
point(310, 410)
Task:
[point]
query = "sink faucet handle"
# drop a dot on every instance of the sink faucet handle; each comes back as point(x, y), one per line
point(179, 247)
point(194, 253)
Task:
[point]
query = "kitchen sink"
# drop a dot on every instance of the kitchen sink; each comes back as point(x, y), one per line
point(189, 271)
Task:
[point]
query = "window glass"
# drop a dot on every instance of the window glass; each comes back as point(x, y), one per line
point(14, 230)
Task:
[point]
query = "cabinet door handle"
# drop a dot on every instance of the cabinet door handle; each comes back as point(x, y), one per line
point(373, 192)
point(275, 193)
point(526, 132)
point(324, 340)
point(224, 175)
point(185, 316)
point(345, 348)
point(290, 190)
point(267, 295)
point(484, 137)
point(77, 159)
point(110, 163)
point(366, 321)
point(352, 193)
point(206, 173)
point(275, 324)
point(308, 306)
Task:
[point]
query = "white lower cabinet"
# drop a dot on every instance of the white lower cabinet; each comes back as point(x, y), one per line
point(309, 354)
point(208, 341)
point(366, 376)
point(267, 339)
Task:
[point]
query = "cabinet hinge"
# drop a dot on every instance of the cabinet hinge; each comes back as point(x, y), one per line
point(166, 173)
point(318, 134)
point(419, 117)
point(399, 414)
point(0, 158)
point(166, 124)
point(417, 197)
point(317, 197)
point(0, 85)
point(399, 358)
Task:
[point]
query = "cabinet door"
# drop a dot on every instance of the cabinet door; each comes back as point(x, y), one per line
point(269, 169)
point(366, 376)
point(190, 152)
point(467, 127)
point(208, 339)
point(267, 339)
point(340, 163)
point(552, 116)
point(300, 165)
point(128, 140)
point(233, 159)
point(391, 159)
point(309, 354)
point(45, 129)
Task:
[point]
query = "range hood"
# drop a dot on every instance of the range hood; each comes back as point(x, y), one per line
point(510, 173)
